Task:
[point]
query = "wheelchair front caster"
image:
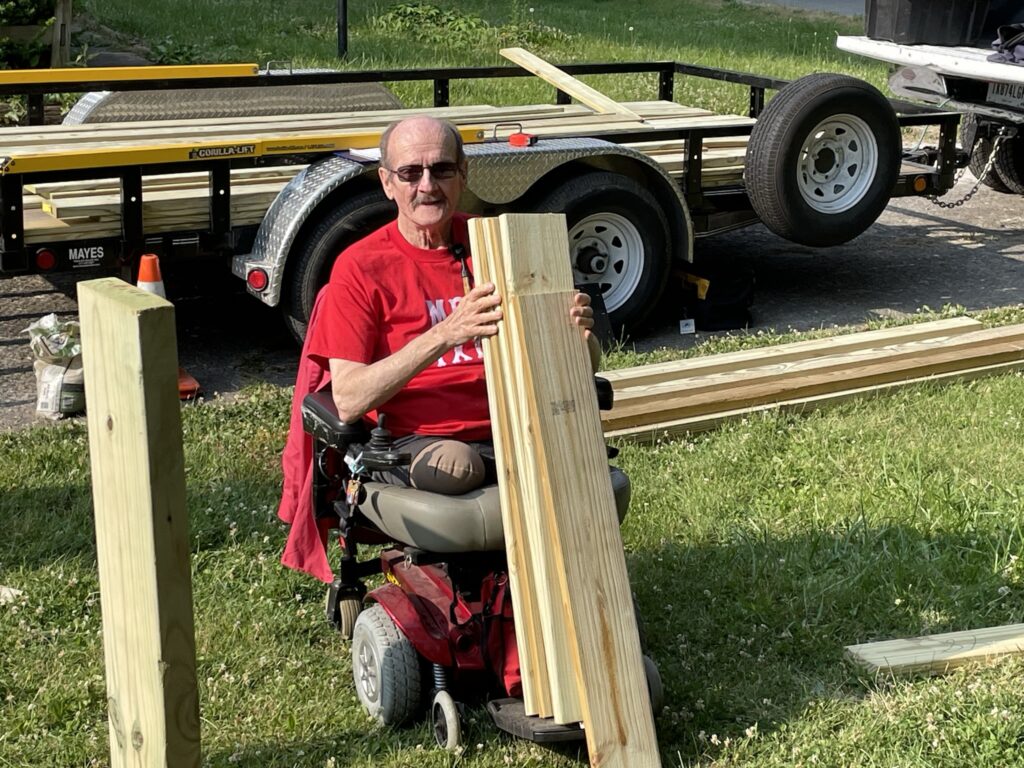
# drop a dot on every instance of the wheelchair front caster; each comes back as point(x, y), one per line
point(342, 607)
point(348, 612)
point(447, 723)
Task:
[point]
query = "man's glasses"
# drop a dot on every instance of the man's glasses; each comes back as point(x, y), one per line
point(411, 174)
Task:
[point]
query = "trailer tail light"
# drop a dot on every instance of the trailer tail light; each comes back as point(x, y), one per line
point(920, 184)
point(257, 279)
point(45, 259)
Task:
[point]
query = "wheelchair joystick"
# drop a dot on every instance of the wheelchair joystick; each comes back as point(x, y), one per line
point(380, 436)
point(378, 455)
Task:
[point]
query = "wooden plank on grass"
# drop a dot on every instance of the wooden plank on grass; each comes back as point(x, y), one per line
point(936, 654)
point(867, 368)
point(717, 417)
point(130, 362)
point(645, 375)
point(570, 470)
point(566, 83)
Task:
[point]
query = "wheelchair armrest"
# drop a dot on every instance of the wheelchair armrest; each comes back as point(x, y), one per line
point(605, 393)
point(320, 419)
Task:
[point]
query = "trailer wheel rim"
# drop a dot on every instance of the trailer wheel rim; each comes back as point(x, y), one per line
point(837, 164)
point(607, 249)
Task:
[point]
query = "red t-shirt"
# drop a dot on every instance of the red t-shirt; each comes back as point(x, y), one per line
point(382, 294)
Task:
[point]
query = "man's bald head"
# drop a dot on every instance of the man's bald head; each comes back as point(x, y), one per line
point(424, 128)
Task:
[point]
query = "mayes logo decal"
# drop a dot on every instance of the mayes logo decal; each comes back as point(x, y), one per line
point(85, 257)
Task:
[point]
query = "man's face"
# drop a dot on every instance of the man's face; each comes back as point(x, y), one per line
point(428, 203)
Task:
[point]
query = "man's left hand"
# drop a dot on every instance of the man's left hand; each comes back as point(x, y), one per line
point(582, 313)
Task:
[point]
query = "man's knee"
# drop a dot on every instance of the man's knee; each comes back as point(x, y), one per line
point(447, 466)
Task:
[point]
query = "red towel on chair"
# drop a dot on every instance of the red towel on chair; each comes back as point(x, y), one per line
point(306, 548)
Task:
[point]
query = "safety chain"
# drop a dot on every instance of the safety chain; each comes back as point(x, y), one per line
point(934, 199)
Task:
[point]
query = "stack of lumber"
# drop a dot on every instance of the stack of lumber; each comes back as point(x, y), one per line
point(696, 394)
point(169, 201)
point(578, 645)
point(175, 202)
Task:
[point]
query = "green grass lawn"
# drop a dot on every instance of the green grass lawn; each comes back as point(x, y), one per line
point(382, 35)
point(756, 551)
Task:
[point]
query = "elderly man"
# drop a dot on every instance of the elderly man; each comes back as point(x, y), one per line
point(397, 327)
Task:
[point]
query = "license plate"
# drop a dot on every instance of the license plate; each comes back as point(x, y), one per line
point(1007, 94)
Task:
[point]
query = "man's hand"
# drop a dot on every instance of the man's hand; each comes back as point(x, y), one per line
point(582, 314)
point(476, 316)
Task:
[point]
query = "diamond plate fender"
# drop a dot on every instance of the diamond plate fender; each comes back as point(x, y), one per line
point(286, 216)
point(498, 176)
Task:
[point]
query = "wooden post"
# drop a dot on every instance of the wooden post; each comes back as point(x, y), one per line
point(129, 355)
point(60, 51)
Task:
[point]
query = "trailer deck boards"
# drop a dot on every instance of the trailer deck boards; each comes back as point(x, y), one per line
point(63, 211)
point(137, 145)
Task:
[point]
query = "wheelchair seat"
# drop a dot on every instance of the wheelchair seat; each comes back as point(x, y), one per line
point(433, 522)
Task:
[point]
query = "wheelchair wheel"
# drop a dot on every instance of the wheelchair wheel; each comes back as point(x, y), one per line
point(385, 667)
point(446, 720)
point(655, 689)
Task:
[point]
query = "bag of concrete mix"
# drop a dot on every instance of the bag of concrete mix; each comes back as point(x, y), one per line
point(57, 347)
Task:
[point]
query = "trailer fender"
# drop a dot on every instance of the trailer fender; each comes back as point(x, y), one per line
point(627, 219)
point(501, 175)
point(289, 211)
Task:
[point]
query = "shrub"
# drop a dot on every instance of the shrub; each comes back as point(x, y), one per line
point(25, 12)
point(25, 54)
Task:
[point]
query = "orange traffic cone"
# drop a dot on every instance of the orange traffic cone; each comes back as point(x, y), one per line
point(151, 281)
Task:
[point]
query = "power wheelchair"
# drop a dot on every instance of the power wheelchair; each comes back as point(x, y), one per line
point(441, 622)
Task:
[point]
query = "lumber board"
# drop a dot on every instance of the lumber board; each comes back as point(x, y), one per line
point(161, 180)
point(569, 126)
point(668, 395)
point(935, 654)
point(522, 557)
point(566, 83)
point(161, 130)
point(867, 368)
point(138, 483)
point(716, 418)
point(577, 507)
point(551, 647)
point(673, 146)
point(645, 375)
point(213, 127)
point(166, 200)
point(60, 133)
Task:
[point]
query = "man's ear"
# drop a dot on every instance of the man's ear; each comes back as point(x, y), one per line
point(385, 182)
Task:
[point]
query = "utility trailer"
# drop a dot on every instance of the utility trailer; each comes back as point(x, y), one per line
point(961, 78)
point(276, 197)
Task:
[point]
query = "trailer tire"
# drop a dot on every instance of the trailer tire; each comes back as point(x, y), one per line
point(980, 147)
point(619, 238)
point(316, 249)
point(823, 159)
point(1009, 164)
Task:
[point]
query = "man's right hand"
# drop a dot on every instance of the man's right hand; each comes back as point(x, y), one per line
point(477, 315)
